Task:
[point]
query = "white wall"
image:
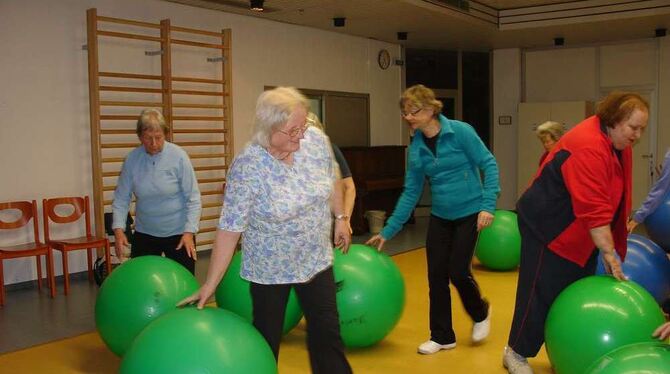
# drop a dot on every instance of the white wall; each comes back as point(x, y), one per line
point(506, 97)
point(44, 125)
point(559, 74)
point(573, 74)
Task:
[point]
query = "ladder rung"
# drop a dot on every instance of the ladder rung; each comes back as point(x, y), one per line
point(212, 167)
point(110, 74)
point(199, 131)
point(130, 89)
point(126, 35)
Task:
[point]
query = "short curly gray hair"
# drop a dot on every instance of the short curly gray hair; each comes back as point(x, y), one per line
point(273, 109)
point(551, 129)
point(151, 119)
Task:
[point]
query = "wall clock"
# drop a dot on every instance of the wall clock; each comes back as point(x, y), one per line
point(384, 59)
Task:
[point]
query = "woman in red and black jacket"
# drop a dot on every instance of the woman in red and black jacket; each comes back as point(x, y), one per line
point(578, 202)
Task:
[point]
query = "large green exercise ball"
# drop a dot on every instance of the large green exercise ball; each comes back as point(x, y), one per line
point(596, 315)
point(370, 295)
point(188, 340)
point(647, 358)
point(136, 293)
point(499, 245)
point(233, 293)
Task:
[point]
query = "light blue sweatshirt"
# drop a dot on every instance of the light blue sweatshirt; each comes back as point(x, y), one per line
point(656, 194)
point(166, 192)
point(454, 175)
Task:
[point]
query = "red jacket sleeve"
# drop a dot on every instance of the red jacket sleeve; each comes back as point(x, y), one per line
point(587, 176)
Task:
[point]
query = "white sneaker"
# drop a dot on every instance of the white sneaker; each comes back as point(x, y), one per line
point(515, 363)
point(430, 347)
point(480, 330)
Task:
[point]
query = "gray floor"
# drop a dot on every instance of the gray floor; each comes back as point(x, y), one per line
point(30, 317)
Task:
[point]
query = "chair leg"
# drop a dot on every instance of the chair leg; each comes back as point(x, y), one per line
point(2, 285)
point(108, 258)
point(89, 260)
point(51, 277)
point(39, 272)
point(66, 274)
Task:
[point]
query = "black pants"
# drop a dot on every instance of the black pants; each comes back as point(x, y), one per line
point(144, 245)
point(317, 299)
point(450, 245)
point(542, 276)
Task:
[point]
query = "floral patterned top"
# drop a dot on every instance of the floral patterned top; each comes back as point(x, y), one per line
point(282, 211)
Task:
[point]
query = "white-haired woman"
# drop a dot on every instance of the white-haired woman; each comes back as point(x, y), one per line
point(167, 206)
point(549, 132)
point(280, 196)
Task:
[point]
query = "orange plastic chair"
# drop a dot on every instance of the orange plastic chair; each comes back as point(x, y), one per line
point(88, 242)
point(35, 248)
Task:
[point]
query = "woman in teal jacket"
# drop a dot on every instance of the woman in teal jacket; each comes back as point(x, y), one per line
point(453, 158)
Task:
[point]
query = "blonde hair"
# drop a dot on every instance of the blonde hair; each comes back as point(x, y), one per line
point(422, 97)
point(313, 120)
point(151, 119)
point(551, 129)
point(273, 108)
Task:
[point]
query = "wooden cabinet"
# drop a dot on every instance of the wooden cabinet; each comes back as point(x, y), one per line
point(378, 174)
point(529, 148)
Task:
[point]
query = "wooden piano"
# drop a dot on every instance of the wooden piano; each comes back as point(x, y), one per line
point(378, 174)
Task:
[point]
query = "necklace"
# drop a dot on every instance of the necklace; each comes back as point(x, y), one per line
point(282, 158)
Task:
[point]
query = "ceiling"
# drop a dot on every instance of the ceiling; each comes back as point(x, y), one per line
point(481, 25)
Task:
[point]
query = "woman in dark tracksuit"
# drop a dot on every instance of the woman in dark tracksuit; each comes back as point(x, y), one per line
point(453, 157)
point(578, 201)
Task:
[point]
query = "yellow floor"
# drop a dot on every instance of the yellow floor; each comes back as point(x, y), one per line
point(395, 354)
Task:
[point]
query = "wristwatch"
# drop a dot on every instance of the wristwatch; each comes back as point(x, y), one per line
point(341, 217)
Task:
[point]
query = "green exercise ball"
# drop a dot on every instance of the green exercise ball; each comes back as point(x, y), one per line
point(647, 358)
point(499, 245)
point(136, 293)
point(233, 293)
point(188, 340)
point(370, 295)
point(596, 315)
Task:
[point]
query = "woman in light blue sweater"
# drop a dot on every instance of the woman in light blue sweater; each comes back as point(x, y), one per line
point(453, 158)
point(167, 206)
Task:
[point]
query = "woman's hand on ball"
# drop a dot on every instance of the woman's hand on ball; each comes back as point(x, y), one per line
point(200, 297)
point(376, 241)
point(612, 264)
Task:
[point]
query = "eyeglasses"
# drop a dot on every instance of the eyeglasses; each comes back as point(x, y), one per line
point(296, 131)
point(145, 137)
point(411, 112)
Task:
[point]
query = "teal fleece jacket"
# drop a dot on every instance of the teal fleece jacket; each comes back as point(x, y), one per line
point(454, 175)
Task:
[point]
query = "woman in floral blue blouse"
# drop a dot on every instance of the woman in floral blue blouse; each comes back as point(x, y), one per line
point(280, 197)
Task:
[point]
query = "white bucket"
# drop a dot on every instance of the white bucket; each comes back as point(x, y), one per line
point(376, 220)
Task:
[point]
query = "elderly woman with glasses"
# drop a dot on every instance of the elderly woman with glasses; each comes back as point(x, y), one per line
point(167, 206)
point(281, 198)
point(453, 158)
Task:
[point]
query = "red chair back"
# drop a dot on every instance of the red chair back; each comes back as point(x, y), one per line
point(80, 207)
point(28, 211)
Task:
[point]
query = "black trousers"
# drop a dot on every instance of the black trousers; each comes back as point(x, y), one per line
point(450, 245)
point(317, 299)
point(542, 276)
point(144, 244)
